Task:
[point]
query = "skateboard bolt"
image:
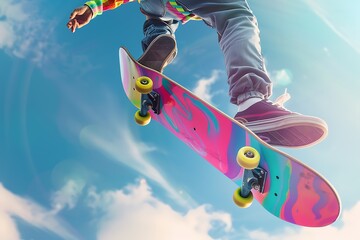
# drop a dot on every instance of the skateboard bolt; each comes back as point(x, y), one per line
point(256, 187)
point(249, 154)
point(144, 81)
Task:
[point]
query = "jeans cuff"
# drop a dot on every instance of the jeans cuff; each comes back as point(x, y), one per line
point(253, 94)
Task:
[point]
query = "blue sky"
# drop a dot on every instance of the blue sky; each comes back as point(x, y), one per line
point(74, 165)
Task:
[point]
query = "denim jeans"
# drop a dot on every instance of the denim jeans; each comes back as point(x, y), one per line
point(239, 39)
point(154, 27)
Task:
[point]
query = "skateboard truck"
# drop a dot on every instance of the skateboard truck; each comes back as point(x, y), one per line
point(149, 100)
point(254, 177)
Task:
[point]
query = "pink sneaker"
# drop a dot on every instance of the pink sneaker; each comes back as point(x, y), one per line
point(280, 127)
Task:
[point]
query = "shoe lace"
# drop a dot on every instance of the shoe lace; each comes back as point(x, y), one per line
point(282, 99)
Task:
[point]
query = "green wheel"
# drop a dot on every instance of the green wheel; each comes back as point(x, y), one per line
point(248, 158)
point(144, 85)
point(142, 121)
point(241, 201)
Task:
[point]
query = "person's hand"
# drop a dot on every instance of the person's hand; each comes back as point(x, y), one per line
point(79, 18)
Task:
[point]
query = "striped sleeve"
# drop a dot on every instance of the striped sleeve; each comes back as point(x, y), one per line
point(99, 6)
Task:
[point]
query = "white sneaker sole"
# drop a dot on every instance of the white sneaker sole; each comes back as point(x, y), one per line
point(290, 131)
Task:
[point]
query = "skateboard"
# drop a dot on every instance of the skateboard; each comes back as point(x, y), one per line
point(284, 186)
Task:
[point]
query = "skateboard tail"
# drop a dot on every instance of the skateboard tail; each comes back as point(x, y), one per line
point(126, 68)
point(300, 196)
point(293, 192)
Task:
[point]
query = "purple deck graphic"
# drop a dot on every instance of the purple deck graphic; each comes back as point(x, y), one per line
point(293, 191)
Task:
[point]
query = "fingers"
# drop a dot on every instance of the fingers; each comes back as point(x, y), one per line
point(73, 25)
point(69, 25)
point(79, 18)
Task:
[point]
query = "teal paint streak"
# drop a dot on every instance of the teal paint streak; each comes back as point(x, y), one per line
point(166, 86)
point(279, 186)
point(206, 110)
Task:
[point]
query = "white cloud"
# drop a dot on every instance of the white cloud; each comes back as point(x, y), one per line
point(348, 230)
point(281, 77)
point(7, 35)
point(203, 87)
point(22, 34)
point(8, 228)
point(134, 213)
point(12, 205)
point(67, 196)
point(120, 145)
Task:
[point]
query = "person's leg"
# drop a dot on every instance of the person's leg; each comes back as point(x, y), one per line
point(240, 42)
point(159, 43)
point(153, 27)
point(249, 84)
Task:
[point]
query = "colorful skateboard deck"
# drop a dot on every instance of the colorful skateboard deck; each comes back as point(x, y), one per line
point(292, 191)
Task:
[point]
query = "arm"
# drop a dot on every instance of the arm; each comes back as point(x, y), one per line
point(99, 6)
point(84, 14)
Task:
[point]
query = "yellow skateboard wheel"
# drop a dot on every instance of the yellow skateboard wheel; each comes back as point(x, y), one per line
point(248, 158)
point(144, 85)
point(242, 202)
point(142, 121)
